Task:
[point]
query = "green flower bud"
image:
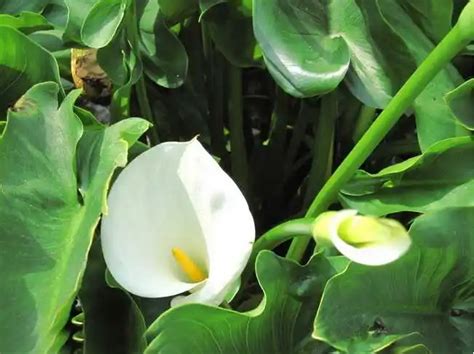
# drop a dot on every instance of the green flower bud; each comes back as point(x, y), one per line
point(363, 239)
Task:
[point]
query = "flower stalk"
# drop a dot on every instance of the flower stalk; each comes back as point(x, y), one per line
point(455, 41)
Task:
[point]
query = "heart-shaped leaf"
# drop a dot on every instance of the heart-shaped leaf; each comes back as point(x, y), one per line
point(279, 324)
point(300, 51)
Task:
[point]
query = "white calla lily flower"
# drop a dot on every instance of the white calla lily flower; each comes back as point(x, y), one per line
point(363, 239)
point(177, 222)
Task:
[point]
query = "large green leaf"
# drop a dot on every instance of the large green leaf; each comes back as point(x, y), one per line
point(23, 63)
point(429, 291)
point(103, 22)
point(308, 46)
point(461, 103)
point(108, 311)
point(280, 323)
point(442, 177)
point(48, 212)
point(299, 50)
point(434, 120)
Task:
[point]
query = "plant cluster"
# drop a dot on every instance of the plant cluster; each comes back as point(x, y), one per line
point(300, 179)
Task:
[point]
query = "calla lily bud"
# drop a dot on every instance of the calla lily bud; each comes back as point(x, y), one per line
point(177, 223)
point(363, 239)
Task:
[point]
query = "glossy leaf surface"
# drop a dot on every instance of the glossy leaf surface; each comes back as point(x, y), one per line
point(298, 48)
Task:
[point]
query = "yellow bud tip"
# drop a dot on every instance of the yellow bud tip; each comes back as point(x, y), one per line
point(187, 265)
point(367, 229)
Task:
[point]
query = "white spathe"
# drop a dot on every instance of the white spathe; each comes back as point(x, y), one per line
point(176, 195)
point(363, 239)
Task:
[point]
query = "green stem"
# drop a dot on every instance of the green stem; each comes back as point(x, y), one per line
point(140, 86)
point(323, 146)
point(446, 50)
point(352, 107)
point(299, 130)
point(237, 140)
point(274, 237)
point(145, 108)
point(215, 65)
point(363, 122)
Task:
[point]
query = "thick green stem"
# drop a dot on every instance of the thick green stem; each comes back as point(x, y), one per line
point(215, 65)
point(145, 108)
point(299, 130)
point(363, 122)
point(272, 238)
point(236, 123)
point(323, 147)
point(446, 50)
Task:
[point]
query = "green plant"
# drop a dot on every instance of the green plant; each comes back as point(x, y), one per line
point(309, 106)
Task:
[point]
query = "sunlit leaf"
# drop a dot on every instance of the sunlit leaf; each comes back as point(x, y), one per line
point(103, 22)
point(54, 180)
